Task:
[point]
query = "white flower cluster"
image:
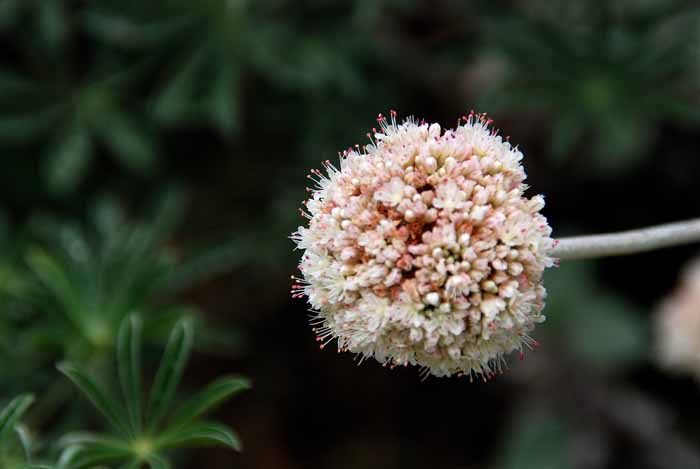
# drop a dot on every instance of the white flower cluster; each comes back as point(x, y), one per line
point(422, 249)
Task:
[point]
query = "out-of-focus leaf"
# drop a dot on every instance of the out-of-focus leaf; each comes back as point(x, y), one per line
point(55, 278)
point(22, 129)
point(207, 263)
point(170, 371)
point(67, 456)
point(24, 439)
point(129, 143)
point(67, 160)
point(612, 334)
point(89, 438)
point(14, 438)
point(604, 75)
point(106, 405)
point(134, 464)
point(223, 99)
point(203, 433)
point(536, 441)
point(115, 27)
point(595, 324)
point(9, 11)
point(107, 216)
point(134, 445)
point(13, 85)
point(157, 462)
point(12, 413)
point(129, 361)
point(52, 23)
point(210, 397)
point(166, 214)
point(90, 450)
point(566, 133)
point(173, 102)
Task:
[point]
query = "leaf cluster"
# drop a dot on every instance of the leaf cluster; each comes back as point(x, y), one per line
point(603, 73)
point(66, 287)
point(113, 78)
point(144, 426)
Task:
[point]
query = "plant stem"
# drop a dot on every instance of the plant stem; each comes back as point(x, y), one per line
point(628, 242)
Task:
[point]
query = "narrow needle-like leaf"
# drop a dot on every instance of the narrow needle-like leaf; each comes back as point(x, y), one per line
point(202, 433)
point(208, 398)
point(129, 363)
point(158, 462)
point(108, 407)
point(12, 412)
point(170, 371)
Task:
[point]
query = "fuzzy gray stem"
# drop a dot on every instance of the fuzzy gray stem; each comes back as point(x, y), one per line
point(628, 242)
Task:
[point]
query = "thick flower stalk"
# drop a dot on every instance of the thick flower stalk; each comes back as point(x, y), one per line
point(421, 248)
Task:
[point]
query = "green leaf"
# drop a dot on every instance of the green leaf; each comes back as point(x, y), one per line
point(91, 438)
point(579, 308)
point(67, 457)
point(133, 464)
point(170, 371)
point(14, 85)
point(205, 432)
point(619, 330)
point(208, 398)
point(129, 364)
point(112, 28)
point(537, 441)
point(108, 218)
point(9, 12)
point(55, 278)
point(206, 263)
point(108, 407)
point(566, 134)
point(86, 448)
point(223, 98)
point(52, 24)
point(624, 145)
point(174, 102)
point(26, 128)
point(166, 214)
point(157, 462)
point(67, 160)
point(91, 454)
point(129, 142)
point(25, 440)
point(12, 413)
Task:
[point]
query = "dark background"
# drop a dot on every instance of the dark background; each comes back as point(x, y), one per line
point(229, 103)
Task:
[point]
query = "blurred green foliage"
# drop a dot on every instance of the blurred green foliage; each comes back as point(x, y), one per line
point(66, 287)
point(597, 335)
point(162, 65)
point(115, 78)
point(15, 444)
point(602, 75)
point(141, 431)
point(88, 278)
point(593, 323)
point(234, 100)
point(537, 439)
point(144, 428)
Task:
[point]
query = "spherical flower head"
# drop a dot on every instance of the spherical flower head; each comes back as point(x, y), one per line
point(422, 249)
point(678, 325)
